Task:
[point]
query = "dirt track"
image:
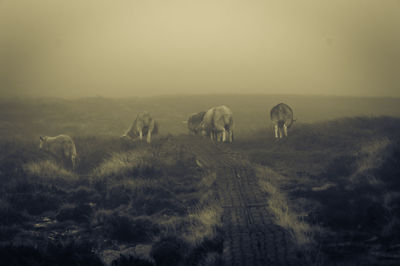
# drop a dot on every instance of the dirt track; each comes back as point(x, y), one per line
point(250, 235)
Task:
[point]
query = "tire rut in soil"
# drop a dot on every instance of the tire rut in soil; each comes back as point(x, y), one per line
point(251, 237)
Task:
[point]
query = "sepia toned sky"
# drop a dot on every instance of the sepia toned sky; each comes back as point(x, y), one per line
point(117, 48)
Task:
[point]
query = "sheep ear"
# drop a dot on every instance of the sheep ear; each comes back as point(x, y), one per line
point(41, 138)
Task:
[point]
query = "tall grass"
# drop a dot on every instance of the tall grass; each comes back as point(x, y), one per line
point(156, 194)
point(121, 164)
point(160, 183)
point(204, 223)
point(130, 193)
point(340, 176)
point(292, 217)
point(50, 172)
point(284, 215)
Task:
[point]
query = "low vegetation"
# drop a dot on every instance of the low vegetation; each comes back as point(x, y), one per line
point(335, 185)
point(278, 204)
point(144, 198)
point(332, 184)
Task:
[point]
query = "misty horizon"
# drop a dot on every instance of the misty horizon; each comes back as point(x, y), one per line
point(284, 96)
point(134, 48)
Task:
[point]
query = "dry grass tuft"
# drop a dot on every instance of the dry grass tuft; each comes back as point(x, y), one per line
point(50, 172)
point(278, 204)
point(121, 163)
point(370, 157)
point(203, 224)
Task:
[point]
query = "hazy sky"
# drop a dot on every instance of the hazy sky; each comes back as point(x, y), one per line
point(73, 48)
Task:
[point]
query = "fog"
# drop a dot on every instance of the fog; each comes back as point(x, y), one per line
point(121, 48)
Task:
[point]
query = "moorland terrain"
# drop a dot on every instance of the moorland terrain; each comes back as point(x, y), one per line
point(329, 194)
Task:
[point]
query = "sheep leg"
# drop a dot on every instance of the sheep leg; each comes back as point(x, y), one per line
point(140, 134)
point(276, 131)
point(285, 129)
point(149, 137)
point(73, 162)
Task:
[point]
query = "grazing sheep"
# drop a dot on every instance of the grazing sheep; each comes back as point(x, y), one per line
point(218, 124)
point(282, 119)
point(194, 122)
point(62, 147)
point(144, 124)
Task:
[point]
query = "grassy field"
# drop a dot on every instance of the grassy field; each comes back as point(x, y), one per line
point(342, 177)
point(333, 181)
point(140, 201)
point(30, 118)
